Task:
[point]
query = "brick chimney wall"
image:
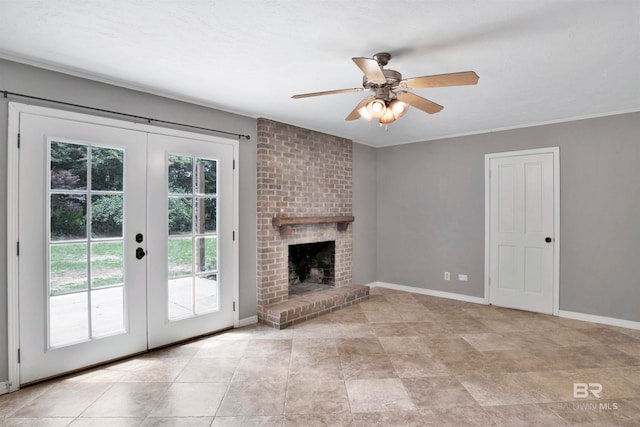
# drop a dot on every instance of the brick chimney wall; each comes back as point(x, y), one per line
point(300, 173)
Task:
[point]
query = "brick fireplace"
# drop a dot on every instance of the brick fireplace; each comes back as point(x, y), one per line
point(302, 174)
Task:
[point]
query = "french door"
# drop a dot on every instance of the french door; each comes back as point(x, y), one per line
point(125, 241)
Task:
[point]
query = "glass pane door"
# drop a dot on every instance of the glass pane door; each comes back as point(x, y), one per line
point(191, 202)
point(82, 200)
point(86, 244)
point(126, 240)
point(193, 239)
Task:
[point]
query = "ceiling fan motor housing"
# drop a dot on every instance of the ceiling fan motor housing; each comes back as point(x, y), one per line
point(384, 92)
point(393, 79)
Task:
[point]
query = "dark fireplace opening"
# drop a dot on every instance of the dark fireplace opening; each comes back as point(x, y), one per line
point(311, 267)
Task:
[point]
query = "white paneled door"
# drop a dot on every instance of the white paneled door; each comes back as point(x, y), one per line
point(125, 241)
point(522, 231)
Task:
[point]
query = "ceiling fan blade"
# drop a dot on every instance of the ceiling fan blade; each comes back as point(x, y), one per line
point(419, 102)
point(371, 69)
point(442, 80)
point(354, 115)
point(327, 92)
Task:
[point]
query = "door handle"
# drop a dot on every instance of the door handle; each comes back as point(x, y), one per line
point(548, 239)
point(140, 253)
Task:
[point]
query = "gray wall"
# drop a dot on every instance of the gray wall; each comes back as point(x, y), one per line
point(365, 211)
point(430, 216)
point(20, 78)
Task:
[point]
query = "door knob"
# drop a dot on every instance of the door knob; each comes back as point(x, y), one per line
point(548, 239)
point(140, 253)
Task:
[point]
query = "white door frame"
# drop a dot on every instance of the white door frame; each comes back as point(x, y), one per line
point(13, 157)
point(556, 218)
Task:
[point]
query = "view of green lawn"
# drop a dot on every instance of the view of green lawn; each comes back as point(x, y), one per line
point(69, 267)
point(76, 168)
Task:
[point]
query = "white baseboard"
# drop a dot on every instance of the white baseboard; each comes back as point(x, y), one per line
point(5, 387)
point(247, 321)
point(611, 321)
point(430, 292)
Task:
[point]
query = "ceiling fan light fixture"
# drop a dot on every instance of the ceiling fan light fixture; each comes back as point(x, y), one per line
point(391, 99)
point(377, 108)
point(364, 113)
point(388, 117)
point(398, 108)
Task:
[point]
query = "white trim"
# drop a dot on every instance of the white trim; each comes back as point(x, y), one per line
point(430, 292)
point(506, 128)
point(556, 231)
point(4, 387)
point(544, 150)
point(13, 314)
point(247, 321)
point(556, 218)
point(612, 321)
point(487, 226)
point(236, 231)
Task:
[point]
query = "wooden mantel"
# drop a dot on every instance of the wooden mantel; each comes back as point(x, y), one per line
point(285, 223)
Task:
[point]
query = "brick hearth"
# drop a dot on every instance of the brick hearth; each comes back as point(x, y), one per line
point(302, 173)
point(299, 308)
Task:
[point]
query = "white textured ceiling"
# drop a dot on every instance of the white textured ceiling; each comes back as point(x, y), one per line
point(539, 61)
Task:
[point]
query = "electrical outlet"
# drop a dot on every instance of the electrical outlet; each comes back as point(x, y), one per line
point(447, 275)
point(462, 277)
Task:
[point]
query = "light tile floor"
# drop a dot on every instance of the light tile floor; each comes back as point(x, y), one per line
point(398, 359)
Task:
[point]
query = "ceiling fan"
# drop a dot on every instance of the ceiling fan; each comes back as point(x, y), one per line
point(390, 99)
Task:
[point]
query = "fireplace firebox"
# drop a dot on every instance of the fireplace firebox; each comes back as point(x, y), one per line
point(311, 267)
